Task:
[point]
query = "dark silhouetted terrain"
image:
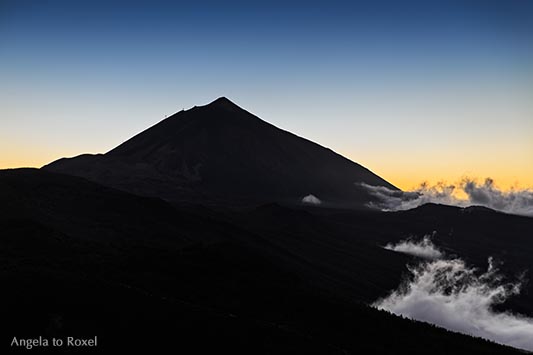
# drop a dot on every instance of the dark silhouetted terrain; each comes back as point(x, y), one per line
point(265, 280)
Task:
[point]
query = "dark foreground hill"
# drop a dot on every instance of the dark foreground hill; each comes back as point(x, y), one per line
point(80, 259)
point(222, 154)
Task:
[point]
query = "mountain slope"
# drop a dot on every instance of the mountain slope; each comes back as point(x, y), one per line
point(220, 153)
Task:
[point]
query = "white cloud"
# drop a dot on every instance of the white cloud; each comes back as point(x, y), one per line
point(452, 295)
point(311, 200)
point(515, 201)
point(423, 248)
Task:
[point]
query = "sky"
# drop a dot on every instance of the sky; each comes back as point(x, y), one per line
point(413, 90)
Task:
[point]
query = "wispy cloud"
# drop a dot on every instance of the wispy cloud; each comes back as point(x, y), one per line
point(515, 201)
point(450, 294)
point(423, 248)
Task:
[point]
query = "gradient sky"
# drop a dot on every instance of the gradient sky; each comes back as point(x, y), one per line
point(426, 90)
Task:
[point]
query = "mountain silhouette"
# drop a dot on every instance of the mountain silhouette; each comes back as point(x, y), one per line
point(219, 154)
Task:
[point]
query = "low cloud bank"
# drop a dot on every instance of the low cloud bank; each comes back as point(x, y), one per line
point(515, 201)
point(311, 200)
point(450, 294)
point(423, 248)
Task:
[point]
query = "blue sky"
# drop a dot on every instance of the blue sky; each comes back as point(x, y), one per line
point(415, 91)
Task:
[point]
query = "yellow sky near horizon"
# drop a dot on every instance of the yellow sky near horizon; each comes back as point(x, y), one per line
point(407, 173)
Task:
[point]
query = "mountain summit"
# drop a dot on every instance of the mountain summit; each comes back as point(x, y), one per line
point(222, 154)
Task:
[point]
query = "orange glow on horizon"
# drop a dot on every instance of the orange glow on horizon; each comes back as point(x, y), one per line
point(406, 172)
point(406, 180)
point(409, 181)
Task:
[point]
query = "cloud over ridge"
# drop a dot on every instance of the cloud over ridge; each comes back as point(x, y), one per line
point(515, 201)
point(455, 296)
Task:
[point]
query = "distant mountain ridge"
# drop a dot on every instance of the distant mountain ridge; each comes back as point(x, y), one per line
point(222, 154)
